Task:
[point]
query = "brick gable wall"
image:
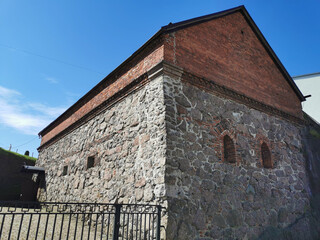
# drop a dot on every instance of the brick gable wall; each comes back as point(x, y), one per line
point(227, 51)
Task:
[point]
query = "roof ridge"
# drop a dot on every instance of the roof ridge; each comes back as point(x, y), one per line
point(204, 18)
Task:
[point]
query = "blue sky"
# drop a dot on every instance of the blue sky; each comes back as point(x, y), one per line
point(53, 52)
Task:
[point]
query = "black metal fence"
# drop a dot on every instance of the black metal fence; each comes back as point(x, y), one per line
point(34, 220)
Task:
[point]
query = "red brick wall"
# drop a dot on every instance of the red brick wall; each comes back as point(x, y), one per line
point(227, 51)
point(224, 50)
point(140, 68)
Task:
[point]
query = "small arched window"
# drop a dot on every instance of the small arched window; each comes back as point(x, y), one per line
point(266, 156)
point(229, 150)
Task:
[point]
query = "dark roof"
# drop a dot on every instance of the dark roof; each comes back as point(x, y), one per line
point(180, 25)
point(306, 75)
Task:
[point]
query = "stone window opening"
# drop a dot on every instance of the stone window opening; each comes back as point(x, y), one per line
point(266, 156)
point(65, 170)
point(229, 151)
point(90, 162)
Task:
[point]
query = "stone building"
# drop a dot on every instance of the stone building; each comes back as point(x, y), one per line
point(203, 119)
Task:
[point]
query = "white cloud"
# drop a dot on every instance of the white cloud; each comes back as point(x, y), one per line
point(50, 111)
point(5, 92)
point(52, 80)
point(28, 118)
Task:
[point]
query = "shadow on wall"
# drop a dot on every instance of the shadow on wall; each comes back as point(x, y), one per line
point(311, 143)
point(34, 190)
point(308, 225)
point(40, 180)
point(305, 227)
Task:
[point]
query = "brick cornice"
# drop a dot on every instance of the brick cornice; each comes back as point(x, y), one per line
point(165, 68)
point(218, 90)
point(108, 103)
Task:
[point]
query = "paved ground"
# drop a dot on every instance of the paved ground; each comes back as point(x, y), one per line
point(42, 225)
point(39, 224)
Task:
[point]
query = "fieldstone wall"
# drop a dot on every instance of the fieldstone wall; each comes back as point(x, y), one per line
point(209, 198)
point(164, 144)
point(127, 142)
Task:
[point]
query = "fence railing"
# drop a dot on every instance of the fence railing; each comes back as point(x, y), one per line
point(34, 220)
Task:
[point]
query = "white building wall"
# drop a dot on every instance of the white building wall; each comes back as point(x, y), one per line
point(309, 84)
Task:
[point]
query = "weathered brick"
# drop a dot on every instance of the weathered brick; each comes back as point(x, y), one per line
point(228, 52)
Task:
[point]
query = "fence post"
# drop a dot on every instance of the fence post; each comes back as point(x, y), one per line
point(159, 222)
point(116, 224)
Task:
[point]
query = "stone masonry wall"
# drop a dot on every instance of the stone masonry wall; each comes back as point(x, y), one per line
point(128, 145)
point(163, 144)
point(209, 198)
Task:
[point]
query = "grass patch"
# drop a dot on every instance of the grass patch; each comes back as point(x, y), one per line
point(4, 152)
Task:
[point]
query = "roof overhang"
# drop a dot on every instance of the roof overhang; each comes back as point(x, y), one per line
point(32, 169)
